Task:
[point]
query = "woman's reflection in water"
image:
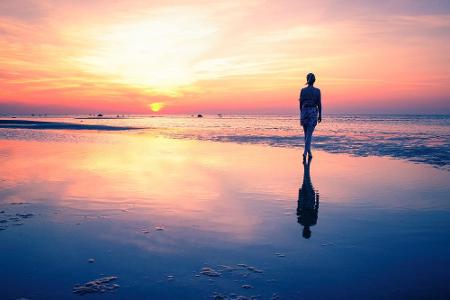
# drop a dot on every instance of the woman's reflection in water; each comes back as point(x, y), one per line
point(308, 202)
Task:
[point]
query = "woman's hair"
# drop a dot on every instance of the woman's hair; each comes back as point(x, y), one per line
point(310, 78)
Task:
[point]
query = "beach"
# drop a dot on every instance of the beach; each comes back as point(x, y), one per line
point(177, 212)
point(224, 150)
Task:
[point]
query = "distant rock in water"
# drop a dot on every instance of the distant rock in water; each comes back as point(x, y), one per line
point(100, 115)
point(199, 116)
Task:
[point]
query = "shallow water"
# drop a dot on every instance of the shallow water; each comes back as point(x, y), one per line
point(154, 211)
point(418, 138)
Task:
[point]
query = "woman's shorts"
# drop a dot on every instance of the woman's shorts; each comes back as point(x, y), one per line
point(308, 116)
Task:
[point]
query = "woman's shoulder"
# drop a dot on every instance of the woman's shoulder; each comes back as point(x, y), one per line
point(310, 88)
point(316, 91)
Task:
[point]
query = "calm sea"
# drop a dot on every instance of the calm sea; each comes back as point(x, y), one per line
point(418, 138)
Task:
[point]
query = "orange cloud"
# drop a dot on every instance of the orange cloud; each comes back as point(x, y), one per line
point(220, 57)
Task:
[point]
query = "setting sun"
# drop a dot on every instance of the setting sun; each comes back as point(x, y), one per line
point(156, 106)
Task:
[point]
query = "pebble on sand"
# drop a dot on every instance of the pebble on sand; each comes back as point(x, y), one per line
point(99, 285)
point(327, 244)
point(227, 268)
point(254, 270)
point(233, 296)
point(210, 272)
point(275, 296)
point(25, 216)
point(246, 286)
point(159, 228)
point(240, 267)
point(280, 255)
point(91, 260)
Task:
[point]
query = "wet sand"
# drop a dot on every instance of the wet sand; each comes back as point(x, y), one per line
point(135, 215)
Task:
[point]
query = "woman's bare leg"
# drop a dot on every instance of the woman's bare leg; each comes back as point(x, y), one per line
point(308, 138)
point(305, 130)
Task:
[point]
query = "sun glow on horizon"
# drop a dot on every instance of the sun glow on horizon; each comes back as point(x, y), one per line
point(156, 106)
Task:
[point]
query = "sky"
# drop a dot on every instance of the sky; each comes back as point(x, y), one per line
point(252, 56)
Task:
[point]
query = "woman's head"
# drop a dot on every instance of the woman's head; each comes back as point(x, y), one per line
point(306, 232)
point(310, 79)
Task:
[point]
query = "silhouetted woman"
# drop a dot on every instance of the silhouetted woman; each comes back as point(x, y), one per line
point(310, 111)
point(308, 202)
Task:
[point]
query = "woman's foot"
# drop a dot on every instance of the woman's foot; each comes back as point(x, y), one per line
point(309, 154)
point(304, 157)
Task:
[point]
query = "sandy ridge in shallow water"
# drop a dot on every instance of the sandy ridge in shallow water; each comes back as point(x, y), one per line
point(26, 124)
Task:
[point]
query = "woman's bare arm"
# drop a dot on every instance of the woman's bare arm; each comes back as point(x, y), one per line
point(300, 98)
point(319, 105)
